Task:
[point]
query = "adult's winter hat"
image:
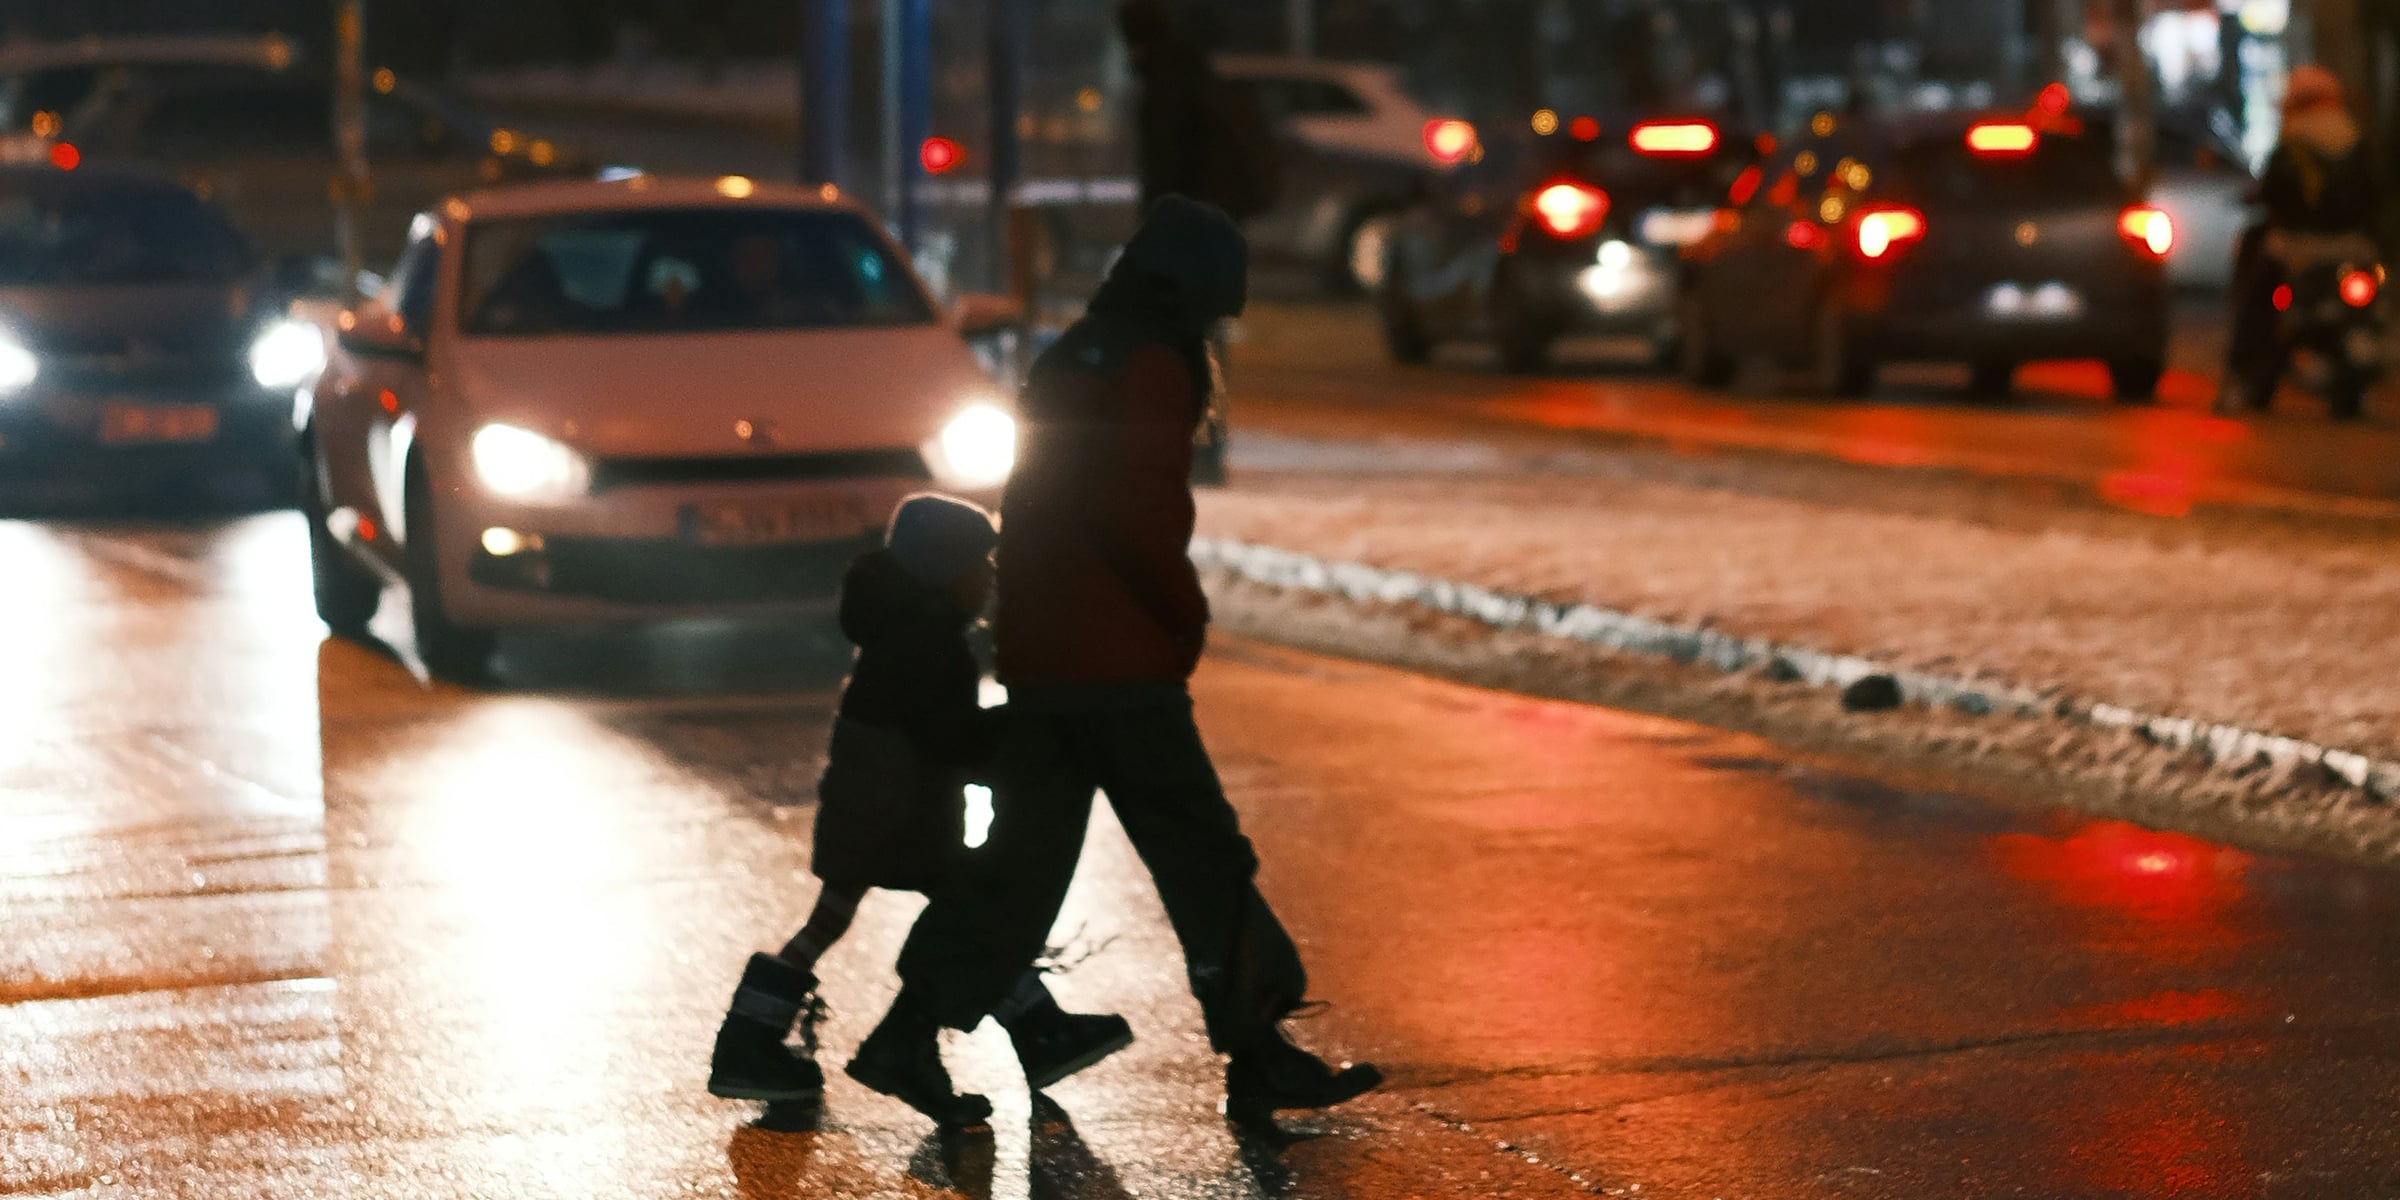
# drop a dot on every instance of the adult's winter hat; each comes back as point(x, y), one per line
point(1199, 250)
point(936, 539)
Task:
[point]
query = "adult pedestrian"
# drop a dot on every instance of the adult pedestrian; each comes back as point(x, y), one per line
point(1100, 623)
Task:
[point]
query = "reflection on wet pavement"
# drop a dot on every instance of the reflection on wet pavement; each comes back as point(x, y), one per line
point(281, 922)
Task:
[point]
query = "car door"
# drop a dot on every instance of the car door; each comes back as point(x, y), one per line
point(1799, 247)
point(365, 415)
point(1459, 227)
point(1735, 265)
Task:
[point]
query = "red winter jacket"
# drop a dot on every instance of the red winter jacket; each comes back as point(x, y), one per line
point(1096, 581)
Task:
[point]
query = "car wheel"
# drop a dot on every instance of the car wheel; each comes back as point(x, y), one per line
point(1991, 379)
point(1524, 342)
point(1705, 364)
point(450, 650)
point(1839, 367)
point(1404, 336)
point(2135, 380)
point(1359, 256)
point(347, 594)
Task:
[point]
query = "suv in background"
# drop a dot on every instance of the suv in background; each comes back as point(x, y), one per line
point(1356, 154)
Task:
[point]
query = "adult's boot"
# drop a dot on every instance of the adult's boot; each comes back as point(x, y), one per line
point(902, 1059)
point(1269, 1073)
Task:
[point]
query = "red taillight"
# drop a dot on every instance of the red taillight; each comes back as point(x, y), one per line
point(939, 154)
point(1882, 232)
point(2359, 288)
point(2283, 297)
point(2054, 100)
point(1745, 186)
point(1803, 235)
point(2148, 229)
point(1673, 139)
point(2002, 139)
point(1584, 129)
point(1570, 210)
point(1449, 140)
point(65, 156)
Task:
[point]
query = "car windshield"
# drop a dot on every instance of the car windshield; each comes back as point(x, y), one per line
point(60, 236)
point(2063, 170)
point(684, 271)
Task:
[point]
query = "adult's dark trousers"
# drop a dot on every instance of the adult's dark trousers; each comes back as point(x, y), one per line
point(1140, 746)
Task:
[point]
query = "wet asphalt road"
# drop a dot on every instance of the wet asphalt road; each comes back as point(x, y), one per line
point(281, 922)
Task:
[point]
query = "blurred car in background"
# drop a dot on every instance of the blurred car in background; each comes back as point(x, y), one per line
point(2206, 190)
point(1991, 240)
point(248, 125)
point(603, 402)
point(1357, 149)
point(139, 340)
point(1579, 232)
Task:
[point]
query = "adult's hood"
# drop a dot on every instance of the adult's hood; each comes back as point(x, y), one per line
point(1188, 263)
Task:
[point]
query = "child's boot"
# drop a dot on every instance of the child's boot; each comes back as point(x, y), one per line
point(903, 1059)
point(1053, 1043)
point(751, 1061)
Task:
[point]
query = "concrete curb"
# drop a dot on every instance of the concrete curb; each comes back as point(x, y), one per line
point(2228, 745)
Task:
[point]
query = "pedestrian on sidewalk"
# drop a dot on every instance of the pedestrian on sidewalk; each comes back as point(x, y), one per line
point(1100, 623)
point(910, 734)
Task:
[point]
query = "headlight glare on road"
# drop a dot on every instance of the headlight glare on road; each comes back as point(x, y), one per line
point(18, 367)
point(523, 465)
point(979, 446)
point(287, 355)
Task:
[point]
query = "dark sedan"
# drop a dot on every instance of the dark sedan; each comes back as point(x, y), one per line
point(137, 341)
point(1578, 232)
point(1992, 239)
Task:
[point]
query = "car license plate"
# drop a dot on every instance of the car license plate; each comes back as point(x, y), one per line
point(123, 424)
point(750, 523)
point(1677, 226)
point(2051, 301)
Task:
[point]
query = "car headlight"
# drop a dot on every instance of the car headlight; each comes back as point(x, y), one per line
point(18, 366)
point(979, 446)
point(523, 465)
point(286, 355)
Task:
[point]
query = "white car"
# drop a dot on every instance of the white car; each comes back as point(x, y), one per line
point(597, 402)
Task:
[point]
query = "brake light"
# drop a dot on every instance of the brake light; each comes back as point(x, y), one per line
point(2054, 100)
point(1584, 129)
point(2002, 139)
point(1745, 186)
point(2359, 288)
point(1449, 140)
point(939, 154)
point(2283, 297)
point(1882, 232)
point(1673, 139)
point(1570, 210)
point(65, 156)
point(2148, 229)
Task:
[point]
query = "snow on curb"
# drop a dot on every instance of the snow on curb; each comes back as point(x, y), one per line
point(2228, 744)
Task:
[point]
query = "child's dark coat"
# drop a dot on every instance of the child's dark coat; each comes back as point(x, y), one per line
point(910, 736)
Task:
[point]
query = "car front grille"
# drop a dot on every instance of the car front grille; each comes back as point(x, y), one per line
point(661, 571)
point(611, 473)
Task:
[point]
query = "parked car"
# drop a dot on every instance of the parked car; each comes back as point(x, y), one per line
point(139, 340)
point(1357, 150)
point(1581, 231)
point(248, 124)
point(2207, 190)
point(1949, 236)
point(601, 402)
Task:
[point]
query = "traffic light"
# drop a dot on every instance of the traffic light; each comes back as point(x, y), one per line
point(940, 154)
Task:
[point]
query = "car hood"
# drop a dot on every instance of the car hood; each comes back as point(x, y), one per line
point(685, 394)
point(118, 319)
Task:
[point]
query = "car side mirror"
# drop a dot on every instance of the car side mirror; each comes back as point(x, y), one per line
point(375, 331)
point(983, 314)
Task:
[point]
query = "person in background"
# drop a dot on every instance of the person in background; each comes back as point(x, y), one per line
point(909, 736)
point(1100, 624)
point(2317, 183)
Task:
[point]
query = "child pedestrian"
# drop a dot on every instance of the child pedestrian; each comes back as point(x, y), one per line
point(909, 735)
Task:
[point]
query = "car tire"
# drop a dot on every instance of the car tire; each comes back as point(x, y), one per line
point(2134, 380)
point(1705, 364)
point(1523, 342)
point(1991, 379)
point(347, 594)
point(1839, 366)
point(1358, 256)
point(461, 653)
point(1404, 336)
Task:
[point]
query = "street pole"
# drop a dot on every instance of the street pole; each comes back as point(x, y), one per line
point(824, 90)
point(907, 99)
point(2138, 127)
point(1005, 75)
point(350, 134)
point(1300, 27)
